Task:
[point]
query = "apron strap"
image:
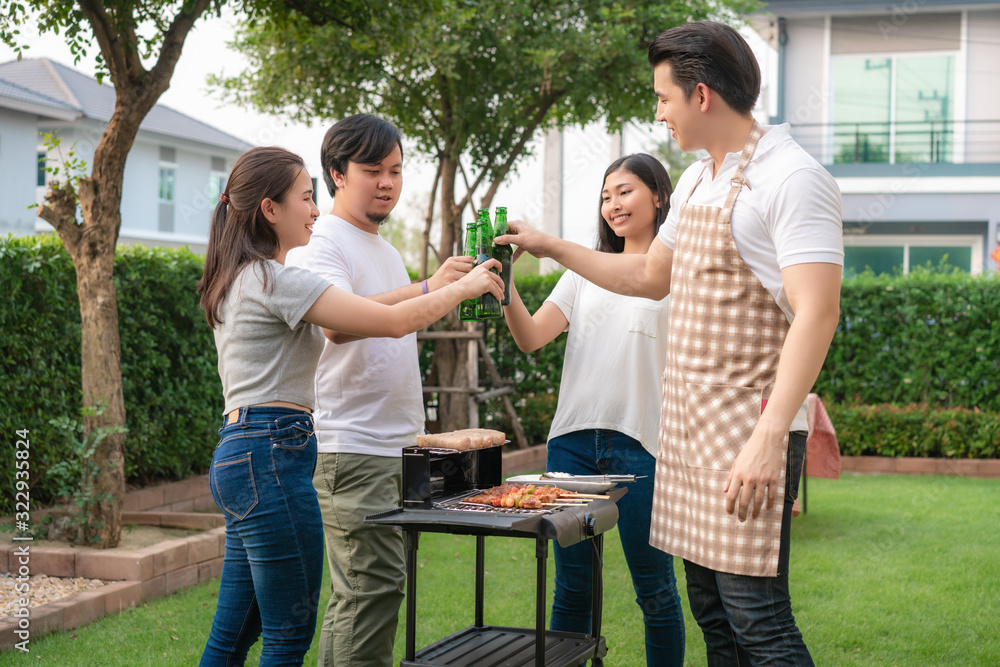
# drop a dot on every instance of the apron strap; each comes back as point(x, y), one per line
point(738, 181)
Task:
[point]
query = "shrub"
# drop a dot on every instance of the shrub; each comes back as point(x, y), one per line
point(173, 397)
point(916, 430)
point(923, 338)
point(914, 369)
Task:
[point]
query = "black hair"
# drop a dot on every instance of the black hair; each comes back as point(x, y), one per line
point(361, 138)
point(713, 54)
point(650, 171)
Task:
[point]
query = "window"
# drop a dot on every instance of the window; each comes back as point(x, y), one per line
point(167, 183)
point(897, 108)
point(217, 179)
point(42, 174)
point(890, 254)
point(166, 187)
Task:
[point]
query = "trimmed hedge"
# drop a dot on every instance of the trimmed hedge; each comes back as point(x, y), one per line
point(922, 350)
point(916, 430)
point(923, 338)
point(173, 396)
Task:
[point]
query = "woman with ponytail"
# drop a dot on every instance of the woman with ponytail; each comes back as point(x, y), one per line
point(267, 321)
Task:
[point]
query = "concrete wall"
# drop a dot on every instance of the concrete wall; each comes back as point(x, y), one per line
point(806, 97)
point(18, 171)
point(983, 96)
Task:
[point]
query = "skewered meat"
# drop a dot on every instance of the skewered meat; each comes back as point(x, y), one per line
point(526, 496)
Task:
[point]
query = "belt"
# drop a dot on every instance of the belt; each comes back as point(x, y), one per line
point(234, 416)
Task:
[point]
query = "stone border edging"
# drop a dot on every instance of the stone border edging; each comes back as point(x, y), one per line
point(135, 575)
point(989, 468)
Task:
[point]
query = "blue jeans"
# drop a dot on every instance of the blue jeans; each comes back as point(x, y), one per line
point(748, 620)
point(261, 479)
point(600, 452)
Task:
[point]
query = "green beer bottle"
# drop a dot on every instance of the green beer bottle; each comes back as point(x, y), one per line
point(487, 305)
point(467, 309)
point(503, 254)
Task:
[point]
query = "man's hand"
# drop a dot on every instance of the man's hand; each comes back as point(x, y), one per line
point(755, 474)
point(526, 239)
point(482, 280)
point(454, 268)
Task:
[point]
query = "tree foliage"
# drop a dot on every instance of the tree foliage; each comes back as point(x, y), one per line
point(462, 79)
point(471, 83)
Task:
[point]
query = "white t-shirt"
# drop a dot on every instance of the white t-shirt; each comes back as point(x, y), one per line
point(368, 391)
point(613, 368)
point(790, 213)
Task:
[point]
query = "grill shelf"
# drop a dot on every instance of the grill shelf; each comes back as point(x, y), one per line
point(481, 645)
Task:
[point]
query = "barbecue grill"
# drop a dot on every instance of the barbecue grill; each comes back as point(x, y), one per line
point(427, 507)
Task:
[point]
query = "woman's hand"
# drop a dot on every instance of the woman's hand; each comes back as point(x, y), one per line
point(481, 280)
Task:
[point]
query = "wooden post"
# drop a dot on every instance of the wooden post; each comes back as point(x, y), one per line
point(519, 437)
point(472, 372)
point(473, 333)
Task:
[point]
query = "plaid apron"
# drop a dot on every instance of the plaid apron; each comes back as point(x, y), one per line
point(726, 333)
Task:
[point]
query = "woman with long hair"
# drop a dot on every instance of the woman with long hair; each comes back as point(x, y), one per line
point(267, 320)
point(607, 415)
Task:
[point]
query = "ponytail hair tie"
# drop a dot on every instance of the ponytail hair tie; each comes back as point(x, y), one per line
point(224, 198)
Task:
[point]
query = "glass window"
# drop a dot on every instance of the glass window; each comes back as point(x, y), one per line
point(893, 109)
point(166, 184)
point(937, 256)
point(216, 183)
point(42, 174)
point(880, 259)
point(861, 109)
point(901, 254)
point(924, 87)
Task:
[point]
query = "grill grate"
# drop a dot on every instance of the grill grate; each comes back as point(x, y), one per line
point(458, 503)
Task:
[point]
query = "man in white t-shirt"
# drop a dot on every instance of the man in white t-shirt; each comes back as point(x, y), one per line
point(751, 254)
point(368, 392)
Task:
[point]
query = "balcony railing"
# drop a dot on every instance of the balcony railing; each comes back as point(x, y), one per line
point(935, 142)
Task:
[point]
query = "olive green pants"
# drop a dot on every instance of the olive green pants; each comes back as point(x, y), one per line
point(367, 564)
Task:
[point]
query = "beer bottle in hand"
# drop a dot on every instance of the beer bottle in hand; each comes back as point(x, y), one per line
point(503, 254)
point(484, 228)
point(467, 309)
point(487, 305)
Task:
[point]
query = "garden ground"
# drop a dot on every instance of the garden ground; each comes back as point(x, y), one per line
point(885, 570)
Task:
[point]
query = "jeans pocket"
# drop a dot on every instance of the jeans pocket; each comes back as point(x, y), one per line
point(293, 449)
point(294, 434)
point(233, 485)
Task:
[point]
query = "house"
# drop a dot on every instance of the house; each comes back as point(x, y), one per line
point(901, 103)
point(173, 176)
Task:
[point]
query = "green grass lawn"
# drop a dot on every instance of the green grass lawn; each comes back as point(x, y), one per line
point(885, 571)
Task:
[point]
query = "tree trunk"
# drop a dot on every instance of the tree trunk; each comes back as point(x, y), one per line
point(102, 383)
point(450, 356)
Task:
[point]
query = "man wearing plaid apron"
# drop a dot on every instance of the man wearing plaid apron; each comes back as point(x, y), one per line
point(753, 249)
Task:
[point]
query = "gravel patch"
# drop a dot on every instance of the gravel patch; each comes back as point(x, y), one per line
point(44, 589)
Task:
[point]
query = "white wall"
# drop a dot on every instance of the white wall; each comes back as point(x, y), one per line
point(983, 98)
point(806, 98)
point(18, 171)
